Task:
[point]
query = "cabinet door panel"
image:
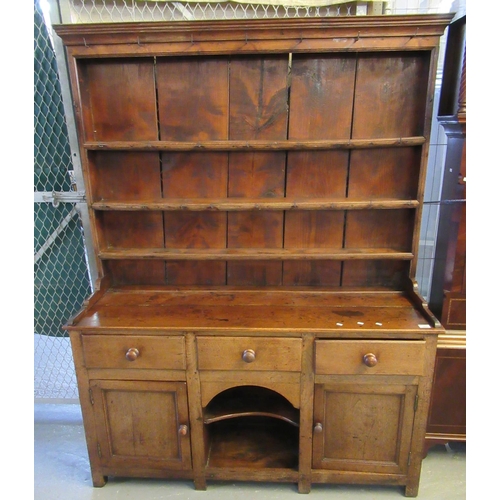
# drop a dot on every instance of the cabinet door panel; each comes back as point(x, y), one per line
point(365, 428)
point(138, 424)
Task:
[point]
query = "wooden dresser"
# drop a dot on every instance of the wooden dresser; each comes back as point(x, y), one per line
point(255, 190)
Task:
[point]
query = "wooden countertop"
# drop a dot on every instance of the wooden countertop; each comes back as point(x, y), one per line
point(227, 310)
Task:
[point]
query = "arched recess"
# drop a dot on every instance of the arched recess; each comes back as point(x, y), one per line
point(250, 425)
point(250, 401)
point(289, 390)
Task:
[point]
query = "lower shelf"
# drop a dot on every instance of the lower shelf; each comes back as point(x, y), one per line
point(257, 442)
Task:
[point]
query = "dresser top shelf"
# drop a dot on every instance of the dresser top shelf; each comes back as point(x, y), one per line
point(227, 310)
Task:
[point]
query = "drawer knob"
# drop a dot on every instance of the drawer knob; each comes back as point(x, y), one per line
point(370, 359)
point(183, 430)
point(132, 354)
point(248, 355)
point(318, 428)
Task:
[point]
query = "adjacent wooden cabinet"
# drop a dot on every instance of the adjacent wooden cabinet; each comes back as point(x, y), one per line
point(447, 415)
point(255, 191)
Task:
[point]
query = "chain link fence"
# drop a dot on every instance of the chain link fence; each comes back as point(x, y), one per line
point(97, 11)
point(61, 278)
point(63, 272)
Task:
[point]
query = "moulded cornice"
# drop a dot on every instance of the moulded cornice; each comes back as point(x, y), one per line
point(356, 27)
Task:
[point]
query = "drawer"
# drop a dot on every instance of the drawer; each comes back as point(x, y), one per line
point(134, 351)
point(384, 357)
point(249, 353)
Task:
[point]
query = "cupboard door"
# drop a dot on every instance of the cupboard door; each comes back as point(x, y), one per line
point(363, 427)
point(142, 424)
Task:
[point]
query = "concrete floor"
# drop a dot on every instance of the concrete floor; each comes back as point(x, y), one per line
point(61, 472)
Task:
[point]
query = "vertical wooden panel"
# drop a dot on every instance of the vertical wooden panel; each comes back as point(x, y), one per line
point(255, 174)
point(316, 229)
point(195, 175)
point(198, 447)
point(321, 96)
point(390, 95)
point(195, 230)
point(384, 173)
point(255, 230)
point(119, 103)
point(118, 100)
point(316, 174)
point(258, 98)
point(193, 105)
point(258, 110)
point(136, 272)
point(192, 98)
point(133, 230)
point(380, 229)
point(313, 229)
point(375, 273)
point(124, 176)
point(306, 417)
point(90, 428)
point(321, 100)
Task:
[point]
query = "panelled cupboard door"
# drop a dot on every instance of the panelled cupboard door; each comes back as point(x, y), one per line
point(363, 427)
point(142, 424)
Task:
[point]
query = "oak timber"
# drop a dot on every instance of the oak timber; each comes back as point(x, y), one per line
point(255, 193)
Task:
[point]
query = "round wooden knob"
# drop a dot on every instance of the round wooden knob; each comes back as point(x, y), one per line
point(370, 359)
point(132, 354)
point(318, 428)
point(248, 355)
point(183, 430)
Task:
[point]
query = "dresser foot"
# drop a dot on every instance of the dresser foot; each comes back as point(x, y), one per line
point(99, 480)
point(304, 486)
point(200, 484)
point(411, 490)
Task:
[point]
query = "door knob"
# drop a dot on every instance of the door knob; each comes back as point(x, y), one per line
point(370, 360)
point(248, 355)
point(132, 354)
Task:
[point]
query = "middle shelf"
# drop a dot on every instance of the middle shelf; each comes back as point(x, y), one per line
point(254, 254)
point(244, 204)
point(254, 145)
